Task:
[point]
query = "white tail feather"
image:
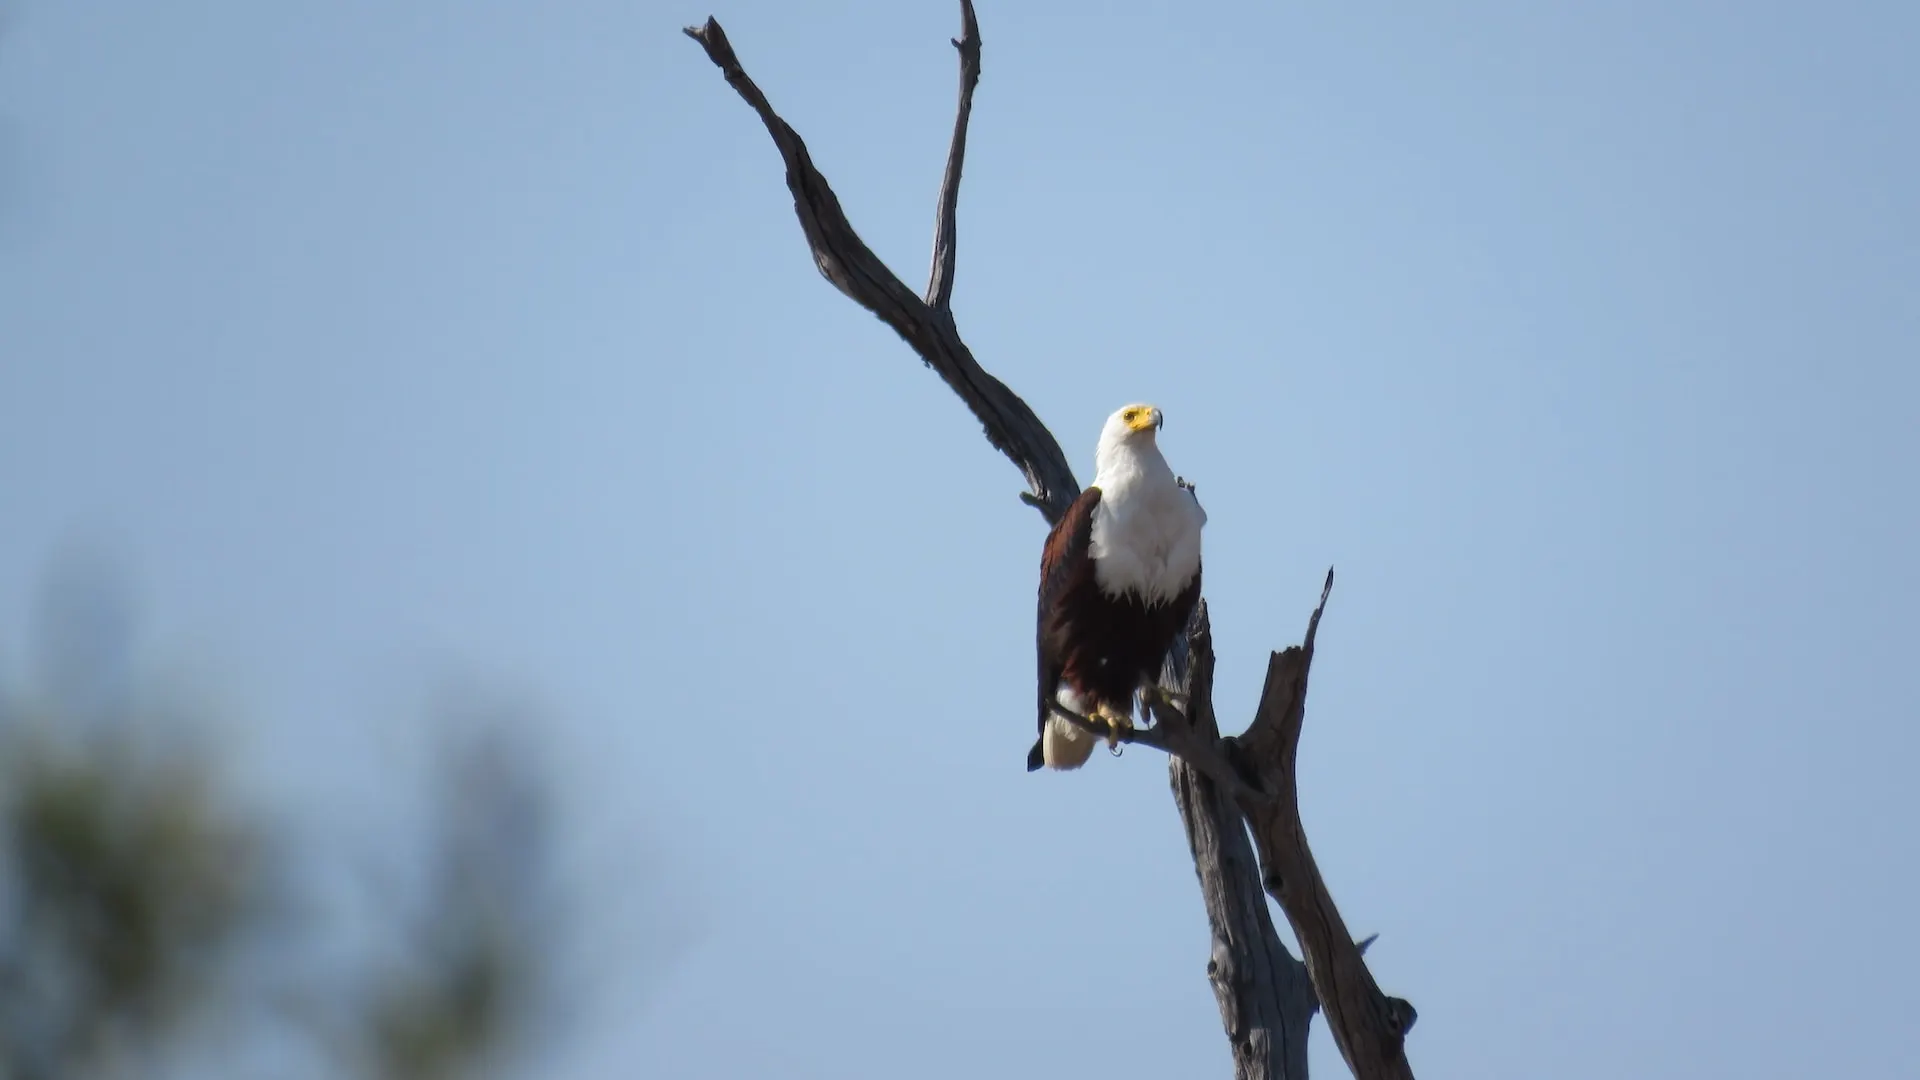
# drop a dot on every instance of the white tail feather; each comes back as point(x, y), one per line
point(1064, 745)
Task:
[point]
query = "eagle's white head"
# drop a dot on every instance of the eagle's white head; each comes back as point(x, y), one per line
point(1127, 443)
point(1131, 424)
point(1146, 531)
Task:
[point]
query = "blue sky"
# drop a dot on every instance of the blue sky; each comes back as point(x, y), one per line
point(1579, 338)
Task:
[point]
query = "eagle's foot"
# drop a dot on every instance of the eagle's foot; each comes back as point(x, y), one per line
point(1117, 722)
point(1154, 694)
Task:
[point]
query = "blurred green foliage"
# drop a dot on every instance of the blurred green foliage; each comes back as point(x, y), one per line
point(137, 892)
point(127, 884)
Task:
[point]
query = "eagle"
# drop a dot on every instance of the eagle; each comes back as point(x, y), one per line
point(1119, 577)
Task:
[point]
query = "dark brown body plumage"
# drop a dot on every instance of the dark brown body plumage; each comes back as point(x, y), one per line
point(1103, 647)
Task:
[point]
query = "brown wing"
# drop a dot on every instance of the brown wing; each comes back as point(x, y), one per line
point(1064, 557)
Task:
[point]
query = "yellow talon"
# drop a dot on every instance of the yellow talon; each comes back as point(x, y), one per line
point(1117, 722)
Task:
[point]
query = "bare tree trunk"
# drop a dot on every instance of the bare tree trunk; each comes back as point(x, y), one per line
point(1223, 788)
point(1266, 1002)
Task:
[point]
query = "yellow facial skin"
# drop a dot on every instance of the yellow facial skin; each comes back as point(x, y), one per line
point(1142, 417)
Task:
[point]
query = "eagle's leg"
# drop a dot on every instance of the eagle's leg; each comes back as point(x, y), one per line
point(1152, 694)
point(1117, 722)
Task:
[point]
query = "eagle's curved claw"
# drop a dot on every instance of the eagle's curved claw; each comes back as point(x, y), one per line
point(1117, 722)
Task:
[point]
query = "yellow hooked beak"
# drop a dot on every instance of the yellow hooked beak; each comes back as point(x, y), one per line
point(1143, 418)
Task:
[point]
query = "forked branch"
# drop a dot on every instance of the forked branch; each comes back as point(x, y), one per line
point(844, 259)
point(1221, 786)
point(1368, 1026)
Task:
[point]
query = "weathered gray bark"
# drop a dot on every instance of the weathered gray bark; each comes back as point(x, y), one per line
point(1266, 1002)
point(1221, 786)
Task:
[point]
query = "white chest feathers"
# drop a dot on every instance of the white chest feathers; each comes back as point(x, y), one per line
point(1146, 531)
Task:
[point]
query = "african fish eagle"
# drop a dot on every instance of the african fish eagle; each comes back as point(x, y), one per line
point(1119, 576)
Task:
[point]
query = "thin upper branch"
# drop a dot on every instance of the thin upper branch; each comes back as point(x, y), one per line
point(945, 230)
point(845, 260)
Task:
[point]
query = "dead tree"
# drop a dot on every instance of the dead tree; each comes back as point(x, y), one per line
point(1227, 789)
